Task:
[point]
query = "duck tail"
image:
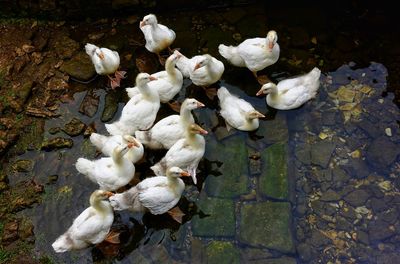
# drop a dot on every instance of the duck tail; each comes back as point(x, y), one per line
point(159, 168)
point(222, 93)
point(90, 48)
point(97, 140)
point(230, 53)
point(114, 129)
point(84, 166)
point(144, 137)
point(62, 244)
point(125, 200)
point(132, 91)
point(314, 75)
point(183, 65)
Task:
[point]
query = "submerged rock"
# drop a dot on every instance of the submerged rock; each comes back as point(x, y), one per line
point(89, 104)
point(321, 153)
point(23, 165)
point(222, 252)
point(79, 67)
point(274, 179)
point(234, 179)
point(382, 153)
point(110, 106)
point(218, 220)
point(57, 143)
point(74, 127)
point(267, 224)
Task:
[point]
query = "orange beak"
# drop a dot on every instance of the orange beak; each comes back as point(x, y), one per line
point(152, 78)
point(142, 24)
point(196, 67)
point(101, 56)
point(260, 115)
point(200, 104)
point(271, 45)
point(203, 132)
point(109, 194)
point(185, 174)
point(260, 92)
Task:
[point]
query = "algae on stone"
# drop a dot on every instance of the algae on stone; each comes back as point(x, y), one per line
point(266, 224)
point(274, 177)
point(234, 180)
point(219, 219)
point(221, 252)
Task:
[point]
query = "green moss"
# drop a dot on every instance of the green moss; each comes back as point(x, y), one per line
point(5, 255)
point(274, 178)
point(221, 252)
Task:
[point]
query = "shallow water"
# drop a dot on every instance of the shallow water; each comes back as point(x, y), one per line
point(232, 174)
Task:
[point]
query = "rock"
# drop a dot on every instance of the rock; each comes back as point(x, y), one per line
point(321, 153)
point(234, 180)
point(219, 219)
point(362, 237)
point(254, 255)
point(328, 118)
point(318, 239)
point(390, 216)
point(52, 179)
point(370, 129)
point(378, 205)
point(65, 47)
point(90, 104)
point(330, 196)
point(74, 127)
point(57, 143)
point(379, 230)
point(281, 260)
point(339, 177)
point(306, 252)
point(79, 67)
point(274, 179)
point(382, 159)
point(32, 137)
point(357, 197)
point(88, 150)
point(222, 133)
point(255, 163)
point(388, 258)
point(357, 168)
point(275, 130)
point(10, 232)
point(23, 166)
point(25, 229)
point(110, 106)
point(266, 224)
point(303, 154)
point(222, 252)
point(54, 130)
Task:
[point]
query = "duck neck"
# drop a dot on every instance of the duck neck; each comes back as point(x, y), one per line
point(211, 70)
point(171, 71)
point(117, 158)
point(101, 206)
point(147, 92)
point(185, 116)
point(193, 139)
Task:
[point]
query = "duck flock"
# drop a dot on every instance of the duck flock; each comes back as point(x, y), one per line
point(177, 133)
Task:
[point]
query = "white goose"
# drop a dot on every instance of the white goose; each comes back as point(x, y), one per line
point(155, 194)
point(91, 227)
point(255, 53)
point(185, 153)
point(292, 93)
point(110, 173)
point(107, 144)
point(168, 83)
point(141, 110)
point(203, 70)
point(237, 112)
point(170, 129)
point(158, 37)
point(106, 62)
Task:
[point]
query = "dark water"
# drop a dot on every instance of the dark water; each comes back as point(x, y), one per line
point(343, 35)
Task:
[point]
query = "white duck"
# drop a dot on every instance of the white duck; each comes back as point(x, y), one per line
point(141, 110)
point(203, 70)
point(91, 227)
point(292, 93)
point(155, 194)
point(237, 112)
point(111, 173)
point(185, 153)
point(158, 37)
point(107, 144)
point(168, 83)
point(106, 62)
point(170, 129)
point(255, 53)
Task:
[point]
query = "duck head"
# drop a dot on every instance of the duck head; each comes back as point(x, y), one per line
point(191, 103)
point(148, 20)
point(254, 115)
point(177, 172)
point(196, 129)
point(144, 78)
point(99, 54)
point(272, 38)
point(202, 62)
point(99, 195)
point(267, 89)
point(131, 141)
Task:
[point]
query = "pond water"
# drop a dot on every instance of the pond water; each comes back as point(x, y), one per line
point(321, 178)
